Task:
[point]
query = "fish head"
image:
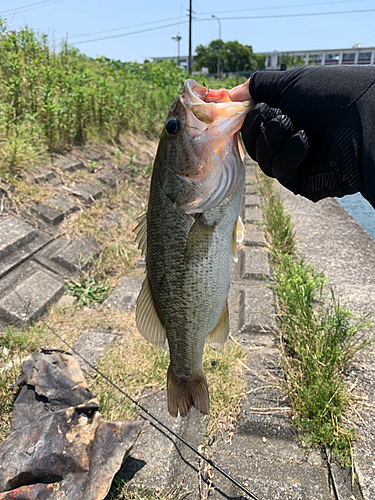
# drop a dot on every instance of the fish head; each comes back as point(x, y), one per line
point(201, 147)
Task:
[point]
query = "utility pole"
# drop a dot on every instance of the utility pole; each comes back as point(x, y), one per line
point(218, 46)
point(190, 16)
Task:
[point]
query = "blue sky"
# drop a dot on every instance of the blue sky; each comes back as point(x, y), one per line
point(120, 17)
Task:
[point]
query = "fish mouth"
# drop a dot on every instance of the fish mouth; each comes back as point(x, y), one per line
point(213, 120)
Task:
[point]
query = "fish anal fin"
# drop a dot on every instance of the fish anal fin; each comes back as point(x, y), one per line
point(147, 319)
point(183, 394)
point(219, 335)
point(141, 233)
point(199, 238)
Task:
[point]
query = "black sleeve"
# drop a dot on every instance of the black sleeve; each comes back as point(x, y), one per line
point(335, 107)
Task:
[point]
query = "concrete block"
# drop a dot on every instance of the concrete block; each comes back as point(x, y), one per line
point(69, 164)
point(18, 242)
point(92, 345)
point(43, 175)
point(252, 215)
point(254, 237)
point(124, 297)
point(48, 214)
point(251, 200)
point(30, 298)
point(78, 254)
point(254, 263)
point(256, 308)
point(250, 189)
point(89, 191)
point(110, 178)
point(45, 257)
point(13, 234)
point(62, 204)
point(92, 155)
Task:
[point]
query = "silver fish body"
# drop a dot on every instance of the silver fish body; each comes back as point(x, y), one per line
point(188, 236)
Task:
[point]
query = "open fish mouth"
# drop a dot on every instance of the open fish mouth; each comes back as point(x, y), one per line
point(211, 114)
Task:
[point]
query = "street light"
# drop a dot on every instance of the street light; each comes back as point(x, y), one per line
point(218, 51)
point(177, 38)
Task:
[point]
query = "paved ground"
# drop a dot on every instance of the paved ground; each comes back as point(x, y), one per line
point(265, 454)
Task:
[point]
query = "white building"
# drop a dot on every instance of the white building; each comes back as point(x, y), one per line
point(355, 55)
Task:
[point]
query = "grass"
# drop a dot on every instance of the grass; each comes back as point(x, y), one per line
point(319, 336)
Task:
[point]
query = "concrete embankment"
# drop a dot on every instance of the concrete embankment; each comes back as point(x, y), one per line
point(333, 241)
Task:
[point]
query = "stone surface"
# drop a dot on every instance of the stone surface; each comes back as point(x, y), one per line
point(252, 215)
point(62, 204)
point(110, 178)
point(43, 175)
point(88, 191)
point(48, 214)
point(251, 200)
point(91, 346)
point(111, 221)
point(254, 263)
point(30, 298)
point(124, 297)
point(13, 234)
point(69, 164)
point(18, 242)
point(253, 236)
point(78, 254)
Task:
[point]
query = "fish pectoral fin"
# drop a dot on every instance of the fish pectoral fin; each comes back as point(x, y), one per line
point(147, 319)
point(141, 231)
point(199, 238)
point(237, 237)
point(219, 335)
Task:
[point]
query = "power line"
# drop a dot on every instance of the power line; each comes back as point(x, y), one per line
point(306, 14)
point(131, 33)
point(36, 5)
point(126, 27)
point(284, 6)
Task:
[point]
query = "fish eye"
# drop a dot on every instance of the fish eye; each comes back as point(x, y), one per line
point(172, 126)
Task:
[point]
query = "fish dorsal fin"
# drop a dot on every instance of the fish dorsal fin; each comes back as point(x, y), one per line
point(199, 238)
point(147, 318)
point(219, 335)
point(141, 231)
point(237, 237)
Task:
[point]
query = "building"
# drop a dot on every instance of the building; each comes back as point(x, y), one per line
point(355, 55)
point(184, 60)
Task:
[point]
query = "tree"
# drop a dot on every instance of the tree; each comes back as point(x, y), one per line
point(233, 57)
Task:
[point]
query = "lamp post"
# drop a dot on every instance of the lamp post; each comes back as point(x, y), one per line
point(177, 38)
point(218, 50)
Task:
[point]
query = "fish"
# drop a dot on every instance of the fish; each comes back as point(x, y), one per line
point(189, 235)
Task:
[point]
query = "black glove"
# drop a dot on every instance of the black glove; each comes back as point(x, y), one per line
point(314, 129)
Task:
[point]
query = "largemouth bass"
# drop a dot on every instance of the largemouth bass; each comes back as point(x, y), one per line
point(189, 234)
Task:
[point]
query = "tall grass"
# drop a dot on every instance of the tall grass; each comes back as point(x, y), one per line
point(52, 99)
point(319, 336)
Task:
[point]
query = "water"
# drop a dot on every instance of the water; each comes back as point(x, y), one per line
point(361, 210)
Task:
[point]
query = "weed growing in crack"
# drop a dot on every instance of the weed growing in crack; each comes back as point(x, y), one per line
point(319, 336)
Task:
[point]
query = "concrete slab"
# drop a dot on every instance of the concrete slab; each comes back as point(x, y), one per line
point(252, 215)
point(253, 236)
point(88, 191)
point(92, 345)
point(62, 204)
point(43, 175)
point(69, 164)
point(110, 178)
point(78, 254)
point(125, 295)
point(48, 214)
point(251, 200)
point(257, 311)
point(30, 298)
point(111, 221)
point(13, 234)
point(254, 263)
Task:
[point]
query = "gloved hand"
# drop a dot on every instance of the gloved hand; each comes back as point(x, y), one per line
point(314, 129)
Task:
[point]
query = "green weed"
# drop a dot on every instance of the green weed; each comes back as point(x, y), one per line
point(319, 337)
point(87, 290)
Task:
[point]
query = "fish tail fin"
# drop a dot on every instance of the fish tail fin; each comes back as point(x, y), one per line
point(183, 394)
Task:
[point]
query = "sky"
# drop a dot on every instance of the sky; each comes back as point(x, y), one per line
point(135, 30)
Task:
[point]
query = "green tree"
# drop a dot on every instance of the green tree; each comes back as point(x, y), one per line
point(233, 57)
